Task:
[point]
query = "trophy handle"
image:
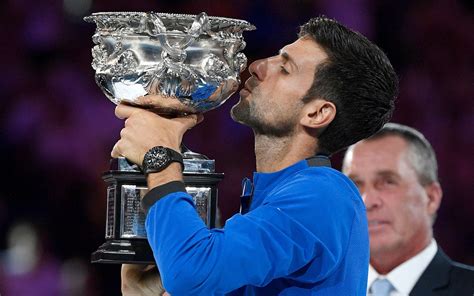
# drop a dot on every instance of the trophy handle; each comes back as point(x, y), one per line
point(151, 24)
point(173, 56)
point(176, 50)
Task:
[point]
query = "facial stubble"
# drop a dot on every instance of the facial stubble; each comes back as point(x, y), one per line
point(258, 117)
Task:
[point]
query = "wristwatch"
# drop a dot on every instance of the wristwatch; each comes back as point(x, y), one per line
point(159, 158)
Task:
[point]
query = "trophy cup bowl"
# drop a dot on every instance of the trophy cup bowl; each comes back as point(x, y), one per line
point(173, 65)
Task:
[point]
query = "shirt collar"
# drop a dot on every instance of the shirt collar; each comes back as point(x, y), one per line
point(405, 276)
point(262, 181)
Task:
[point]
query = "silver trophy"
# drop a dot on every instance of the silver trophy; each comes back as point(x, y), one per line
point(172, 64)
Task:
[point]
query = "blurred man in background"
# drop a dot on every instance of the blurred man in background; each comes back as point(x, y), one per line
point(397, 175)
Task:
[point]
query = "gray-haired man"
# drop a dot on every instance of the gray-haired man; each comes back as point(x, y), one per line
point(397, 175)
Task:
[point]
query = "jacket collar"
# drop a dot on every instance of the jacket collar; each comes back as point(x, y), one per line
point(435, 276)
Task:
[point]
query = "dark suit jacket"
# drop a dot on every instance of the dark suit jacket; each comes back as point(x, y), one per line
point(445, 277)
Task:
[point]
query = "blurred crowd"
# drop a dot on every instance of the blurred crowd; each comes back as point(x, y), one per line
point(58, 128)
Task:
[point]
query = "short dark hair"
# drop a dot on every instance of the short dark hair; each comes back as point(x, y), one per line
point(420, 153)
point(357, 78)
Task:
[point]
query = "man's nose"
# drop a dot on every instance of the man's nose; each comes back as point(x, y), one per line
point(258, 69)
point(371, 199)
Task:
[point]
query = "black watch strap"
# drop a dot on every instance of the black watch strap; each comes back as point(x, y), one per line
point(158, 158)
point(175, 156)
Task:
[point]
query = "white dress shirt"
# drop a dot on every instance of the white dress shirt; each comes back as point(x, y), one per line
point(404, 277)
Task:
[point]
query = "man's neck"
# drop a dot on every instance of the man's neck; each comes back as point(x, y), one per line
point(385, 262)
point(274, 154)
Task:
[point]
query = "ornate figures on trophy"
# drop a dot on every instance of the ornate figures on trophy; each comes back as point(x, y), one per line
point(172, 64)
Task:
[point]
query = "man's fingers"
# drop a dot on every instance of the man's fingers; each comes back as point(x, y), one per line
point(189, 121)
point(131, 273)
point(115, 152)
point(123, 111)
point(200, 118)
point(134, 267)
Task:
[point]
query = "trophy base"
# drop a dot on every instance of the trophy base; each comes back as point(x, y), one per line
point(125, 225)
point(136, 251)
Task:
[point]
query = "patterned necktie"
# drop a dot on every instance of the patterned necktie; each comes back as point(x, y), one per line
point(381, 287)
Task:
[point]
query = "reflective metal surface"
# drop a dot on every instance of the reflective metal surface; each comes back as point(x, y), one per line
point(172, 63)
point(132, 220)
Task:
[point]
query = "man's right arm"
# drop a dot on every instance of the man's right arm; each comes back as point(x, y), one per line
point(267, 243)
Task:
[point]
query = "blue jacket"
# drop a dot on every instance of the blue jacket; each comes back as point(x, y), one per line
point(305, 234)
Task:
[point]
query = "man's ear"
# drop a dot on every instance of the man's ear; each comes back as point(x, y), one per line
point(435, 195)
point(318, 114)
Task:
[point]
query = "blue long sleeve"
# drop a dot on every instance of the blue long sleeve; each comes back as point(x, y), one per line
point(289, 233)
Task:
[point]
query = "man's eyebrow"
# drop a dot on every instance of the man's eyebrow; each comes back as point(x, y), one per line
point(353, 176)
point(288, 58)
point(387, 173)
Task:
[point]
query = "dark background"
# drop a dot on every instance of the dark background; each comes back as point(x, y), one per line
point(58, 128)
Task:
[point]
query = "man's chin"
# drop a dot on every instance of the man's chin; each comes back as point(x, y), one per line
point(239, 111)
point(383, 245)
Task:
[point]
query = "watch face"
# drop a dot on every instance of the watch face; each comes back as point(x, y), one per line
point(157, 158)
